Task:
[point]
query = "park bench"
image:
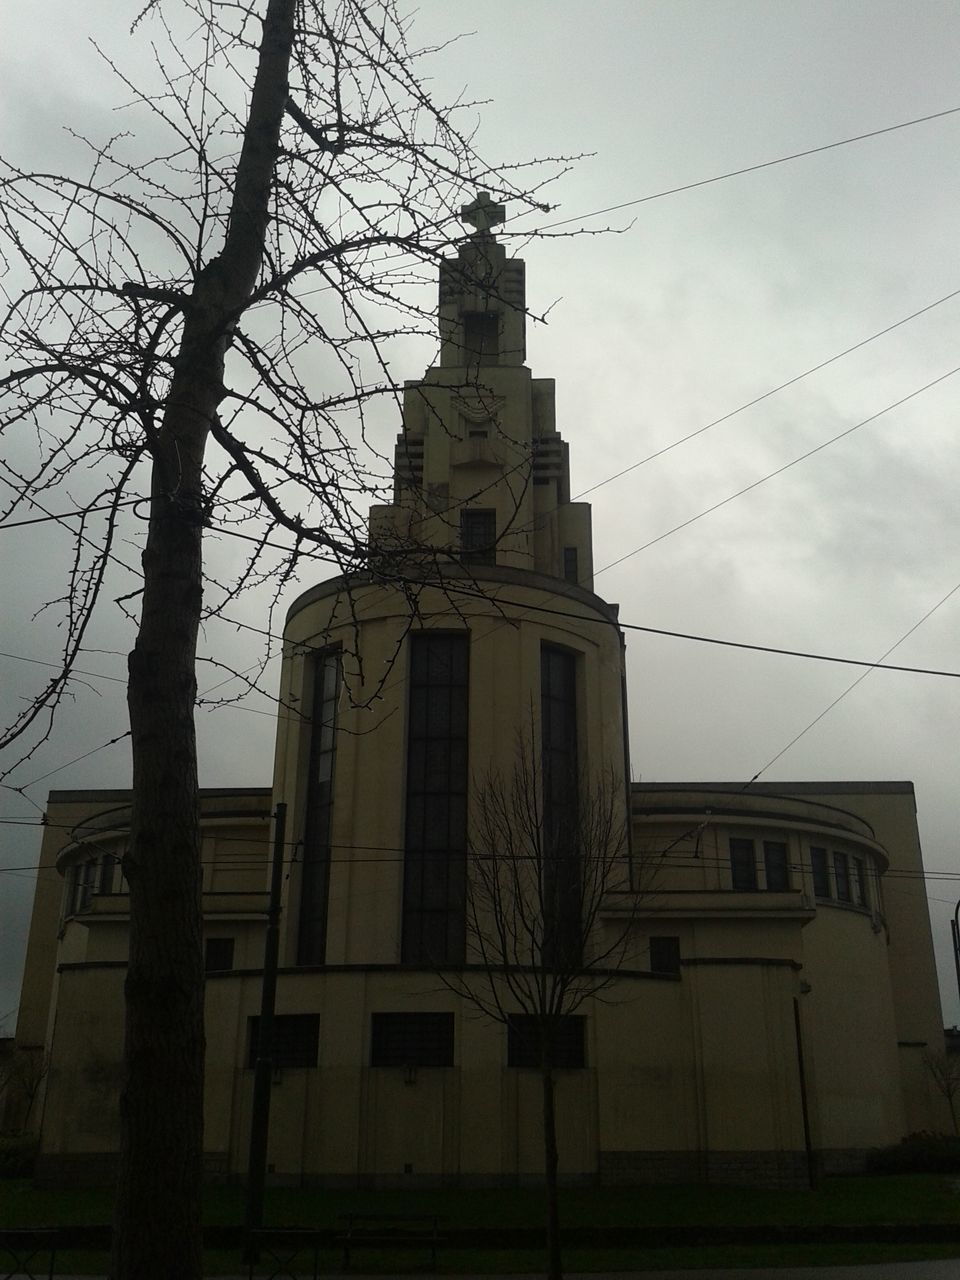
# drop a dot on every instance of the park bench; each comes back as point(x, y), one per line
point(274, 1252)
point(390, 1231)
point(21, 1249)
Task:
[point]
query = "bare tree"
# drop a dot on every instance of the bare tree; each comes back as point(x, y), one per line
point(21, 1075)
point(194, 331)
point(944, 1070)
point(551, 909)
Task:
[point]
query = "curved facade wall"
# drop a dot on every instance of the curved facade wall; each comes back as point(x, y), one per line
point(506, 618)
point(803, 878)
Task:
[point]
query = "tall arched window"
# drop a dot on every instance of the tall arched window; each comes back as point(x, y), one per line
point(435, 849)
point(315, 871)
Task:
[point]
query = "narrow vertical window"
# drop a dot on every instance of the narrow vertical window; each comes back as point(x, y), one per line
point(478, 535)
point(743, 865)
point(315, 872)
point(821, 873)
point(109, 873)
point(435, 851)
point(841, 872)
point(562, 942)
point(775, 867)
point(861, 896)
point(571, 567)
point(84, 884)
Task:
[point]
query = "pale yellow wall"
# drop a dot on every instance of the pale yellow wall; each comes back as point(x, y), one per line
point(371, 624)
point(853, 960)
point(82, 1087)
point(852, 1032)
point(891, 810)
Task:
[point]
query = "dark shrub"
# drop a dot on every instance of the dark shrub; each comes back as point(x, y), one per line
point(918, 1153)
point(17, 1154)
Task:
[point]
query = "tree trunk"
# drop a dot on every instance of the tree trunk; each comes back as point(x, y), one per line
point(551, 1162)
point(157, 1225)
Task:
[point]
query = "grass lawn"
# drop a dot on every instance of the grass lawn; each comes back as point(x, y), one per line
point(903, 1199)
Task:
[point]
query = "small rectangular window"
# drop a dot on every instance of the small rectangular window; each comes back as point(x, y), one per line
point(85, 880)
point(664, 955)
point(296, 1040)
point(841, 872)
point(775, 866)
point(481, 337)
point(70, 890)
point(218, 955)
point(821, 873)
point(743, 865)
point(478, 535)
point(411, 1040)
point(109, 874)
point(524, 1032)
point(571, 568)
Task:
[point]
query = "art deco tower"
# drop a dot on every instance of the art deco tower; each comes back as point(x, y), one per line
point(477, 630)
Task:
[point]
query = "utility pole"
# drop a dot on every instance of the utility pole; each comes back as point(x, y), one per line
point(955, 934)
point(263, 1071)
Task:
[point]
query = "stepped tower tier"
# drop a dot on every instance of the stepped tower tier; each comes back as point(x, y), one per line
point(478, 630)
point(482, 476)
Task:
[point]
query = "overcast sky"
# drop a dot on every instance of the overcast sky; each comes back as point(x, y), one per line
point(703, 301)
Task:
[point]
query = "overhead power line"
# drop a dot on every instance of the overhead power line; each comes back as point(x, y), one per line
point(658, 453)
point(478, 594)
point(779, 470)
point(67, 515)
point(750, 168)
point(849, 689)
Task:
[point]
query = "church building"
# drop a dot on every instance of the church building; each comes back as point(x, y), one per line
point(769, 1000)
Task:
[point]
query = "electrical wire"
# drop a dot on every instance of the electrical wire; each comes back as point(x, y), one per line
point(751, 168)
point(667, 448)
point(779, 470)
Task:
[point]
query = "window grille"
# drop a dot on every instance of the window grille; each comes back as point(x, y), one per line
point(566, 1038)
point(571, 568)
point(562, 925)
point(218, 955)
point(296, 1040)
point(664, 955)
point(743, 865)
point(776, 869)
point(821, 873)
point(478, 535)
point(315, 869)
point(411, 1040)
point(434, 865)
point(841, 872)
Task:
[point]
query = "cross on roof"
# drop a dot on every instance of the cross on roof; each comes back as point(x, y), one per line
point(483, 213)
